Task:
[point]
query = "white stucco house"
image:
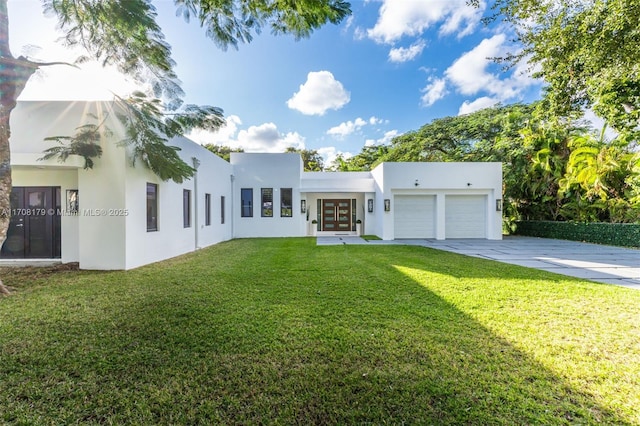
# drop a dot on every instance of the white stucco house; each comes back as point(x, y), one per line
point(121, 216)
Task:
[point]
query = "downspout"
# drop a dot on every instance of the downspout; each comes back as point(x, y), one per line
point(233, 217)
point(196, 164)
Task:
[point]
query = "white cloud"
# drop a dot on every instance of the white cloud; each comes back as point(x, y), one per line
point(402, 54)
point(480, 103)
point(223, 136)
point(469, 73)
point(263, 138)
point(330, 153)
point(346, 128)
point(373, 120)
point(463, 20)
point(320, 93)
point(267, 138)
point(435, 90)
point(384, 140)
point(411, 18)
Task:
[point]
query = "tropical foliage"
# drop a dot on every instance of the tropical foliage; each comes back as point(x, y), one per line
point(222, 151)
point(312, 161)
point(587, 52)
point(553, 169)
point(126, 34)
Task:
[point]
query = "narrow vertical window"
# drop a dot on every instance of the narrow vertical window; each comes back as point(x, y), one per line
point(152, 207)
point(222, 209)
point(186, 208)
point(207, 209)
point(246, 200)
point(286, 202)
point(267, 202)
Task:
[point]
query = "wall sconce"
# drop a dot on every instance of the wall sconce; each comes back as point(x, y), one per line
point(498, 205)
point(416, 183)
point(303, 206)
point(370, 205)
point(387, 205)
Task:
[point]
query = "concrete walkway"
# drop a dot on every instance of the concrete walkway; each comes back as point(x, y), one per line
point(604, 264)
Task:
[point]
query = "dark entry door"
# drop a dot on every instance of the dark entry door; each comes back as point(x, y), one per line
point(336, 215)
point(34, 229)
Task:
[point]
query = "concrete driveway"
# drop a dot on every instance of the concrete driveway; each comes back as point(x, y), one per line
point(604, 264)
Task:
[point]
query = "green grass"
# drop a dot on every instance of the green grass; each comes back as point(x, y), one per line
point(282, 331)
point(370, 237)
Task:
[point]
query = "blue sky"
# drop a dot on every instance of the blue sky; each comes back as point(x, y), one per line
point(390, 68)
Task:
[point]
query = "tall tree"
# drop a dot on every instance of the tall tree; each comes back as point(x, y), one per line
point(587, 51)
point(124, 33)
point(311, 160)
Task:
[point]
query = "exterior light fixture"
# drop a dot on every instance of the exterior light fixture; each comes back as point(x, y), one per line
point(303, 206)
point(370, 205)
point(387, 205)
point(498, 205)
point(416, 183)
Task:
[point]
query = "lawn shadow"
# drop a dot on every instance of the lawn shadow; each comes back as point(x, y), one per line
point(346, 337)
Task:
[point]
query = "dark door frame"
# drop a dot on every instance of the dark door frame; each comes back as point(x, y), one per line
point(35, 225)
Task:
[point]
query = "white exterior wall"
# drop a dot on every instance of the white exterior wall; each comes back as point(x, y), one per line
point(338, 185)
point(438, 179)
point(65, 179)
point(172, 238)
point(100, 237)
point(109, 231)
point(275, 171)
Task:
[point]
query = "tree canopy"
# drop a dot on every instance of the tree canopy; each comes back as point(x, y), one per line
point(552, 169)
point(587, 52)
point(125, 34)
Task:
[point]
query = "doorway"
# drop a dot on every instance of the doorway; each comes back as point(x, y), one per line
point(34, 228)
point(336, 215)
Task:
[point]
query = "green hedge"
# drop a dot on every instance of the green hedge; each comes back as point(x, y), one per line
point(615, 234)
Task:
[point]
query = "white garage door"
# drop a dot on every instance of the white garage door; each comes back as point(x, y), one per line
point(415, 216)
point(465, 216)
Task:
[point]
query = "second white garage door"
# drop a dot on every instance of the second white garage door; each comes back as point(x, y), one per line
point(465, 216)
point(414, 216)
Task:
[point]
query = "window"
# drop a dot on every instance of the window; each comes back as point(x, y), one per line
point(152, 207)
point(207, 209)
point(267, 202)
point(246, 200)
point(186, 208)
point(286, 202)
point(222, 209)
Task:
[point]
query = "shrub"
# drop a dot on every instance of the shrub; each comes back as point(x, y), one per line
point(616, 234)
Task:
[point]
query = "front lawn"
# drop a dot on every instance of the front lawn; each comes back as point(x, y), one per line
point(282, 331)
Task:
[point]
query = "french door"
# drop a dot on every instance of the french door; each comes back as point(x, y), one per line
point(34, 229)
point(336, 215)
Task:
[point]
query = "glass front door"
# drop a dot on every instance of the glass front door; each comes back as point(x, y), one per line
point(336, 215)
point(34, 229)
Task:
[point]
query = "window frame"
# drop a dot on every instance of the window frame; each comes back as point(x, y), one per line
point(289, 192)
point(265, 194)
point(186, 208)
point(222, 202)
point(207, 209)
point(246, 210)
point(152, 225)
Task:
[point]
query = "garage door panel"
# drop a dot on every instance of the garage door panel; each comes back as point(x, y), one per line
point(466, 216)
point(414, 216)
